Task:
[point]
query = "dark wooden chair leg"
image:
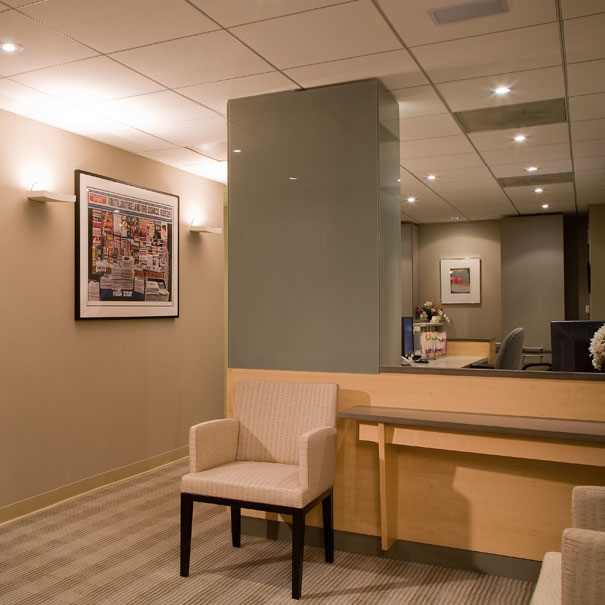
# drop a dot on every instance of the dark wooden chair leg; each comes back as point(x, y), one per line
point(236, 525)
point(186, 522)
point(298, 546)
point(326, 509)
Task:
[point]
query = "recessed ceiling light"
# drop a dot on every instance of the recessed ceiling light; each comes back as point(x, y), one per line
point(293, 178)
point(399, 180)
point(431, 177)
point(544, 205)
point(411, 199)
point(501, 90)
point(237, 151)
point(520, 138)
point(11, 47)
point(531, 169)
point(538, 190)
point(454, 218)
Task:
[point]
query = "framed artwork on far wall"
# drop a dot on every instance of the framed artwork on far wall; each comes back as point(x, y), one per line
point(460, 280)
point(127, 250)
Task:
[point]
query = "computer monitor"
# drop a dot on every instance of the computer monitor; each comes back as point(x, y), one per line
point(407, 336)
point(570, 341)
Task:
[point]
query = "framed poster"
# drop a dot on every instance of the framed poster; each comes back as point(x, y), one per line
point(127, 250)
point(460, 280)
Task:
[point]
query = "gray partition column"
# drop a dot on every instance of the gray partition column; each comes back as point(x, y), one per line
point(305, 220)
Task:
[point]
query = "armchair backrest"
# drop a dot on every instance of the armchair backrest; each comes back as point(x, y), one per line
point(510, 354)
point(273, 416)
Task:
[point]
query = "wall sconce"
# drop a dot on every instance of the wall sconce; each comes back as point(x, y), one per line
point(38, 194)
point(197, 228)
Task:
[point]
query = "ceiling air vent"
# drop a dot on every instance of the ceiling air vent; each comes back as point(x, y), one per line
point(520, 115)
point(532, 181)
point(467, 10)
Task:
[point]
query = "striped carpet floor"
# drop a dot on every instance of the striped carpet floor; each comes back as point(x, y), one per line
point(118, 545)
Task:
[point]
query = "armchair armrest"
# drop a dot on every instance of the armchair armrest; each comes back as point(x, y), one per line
point(212, 443)
point(317, 459)
point(588, 507)
point(582, 566)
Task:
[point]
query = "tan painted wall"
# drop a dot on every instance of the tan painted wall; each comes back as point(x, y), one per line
point(81, 398)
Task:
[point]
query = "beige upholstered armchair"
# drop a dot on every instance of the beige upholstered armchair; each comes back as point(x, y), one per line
point(576, 575)
point(277, 454)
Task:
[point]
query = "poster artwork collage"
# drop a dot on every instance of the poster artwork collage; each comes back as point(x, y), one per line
point(129, 253)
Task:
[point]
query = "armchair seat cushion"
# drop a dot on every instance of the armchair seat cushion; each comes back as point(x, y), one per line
point(548, 589)
point(262, 482)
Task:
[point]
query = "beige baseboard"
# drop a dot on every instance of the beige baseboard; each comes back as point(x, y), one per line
point(35, 503)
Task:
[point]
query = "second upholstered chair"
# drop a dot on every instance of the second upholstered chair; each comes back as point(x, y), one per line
point(277, 453)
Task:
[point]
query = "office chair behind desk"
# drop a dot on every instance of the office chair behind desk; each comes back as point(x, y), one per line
point(510, 354)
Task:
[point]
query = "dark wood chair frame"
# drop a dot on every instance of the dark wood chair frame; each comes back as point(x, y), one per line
point(298, 528)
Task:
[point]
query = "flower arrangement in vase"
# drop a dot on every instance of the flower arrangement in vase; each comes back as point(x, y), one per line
point(597, 348)
point(430, 310)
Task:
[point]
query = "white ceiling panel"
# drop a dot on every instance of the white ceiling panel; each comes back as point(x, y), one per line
point(551, 167)
point(580, 8)
point(175, 156)
point(526, 86)
point(587, 130)
point(549, 134)
point(131, 140)
point(88, 81)
point(23, 100)
point(590, 163)
point(527, 155)
point(428, 127)
point(584, 40)
point(438, 146)
point(216, 94)
point(154, 108)
point(41, 46)
point(110, 25)
point(587, 107)
point(80, 121)
point(418, 101)
point(336, 32)
point(553, 207)
point(3, 8)
point(587, 149)
point(558, 192)
point(435, 164)
point(396, 69)
point(238, 12)
point(594, 177)
point(502, 52)
point(413, 23)
point(18, 3)
point(195, 60)
point(191, 132)
point(586, 78)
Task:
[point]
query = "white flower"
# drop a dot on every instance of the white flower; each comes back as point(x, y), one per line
point(597, 348)
point(428, 303)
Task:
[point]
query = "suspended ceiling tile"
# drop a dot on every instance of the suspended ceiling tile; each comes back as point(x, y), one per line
point(428, 127)
point(528, 155)
point(586, 78)
point(587, 107)
point(23, 100)
point(418, 101)
point(175, 156)
point(41, 46)
point(18, 3)
point(131, 140)
point(3, 8)
point(596, 162)
point(584, 40)
point(78, 120)
point(88, 81)
point(502, 52)
point(336, 32)
point(553, 207)
point(154, 108)
point(587, 149)
point(413, 23)
point(438, 146)
point(471, 176)
point(526, 86)
point(121, 24)
point(548, 134)
point(547, 167)
point(589, 174)
point(191, 132)
point(238, 12)
point(395, 69)
point(195, 60)
point(587, 130)
point(556, 192)
point(216, 94)
point(580, 8)
point(436, 164)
